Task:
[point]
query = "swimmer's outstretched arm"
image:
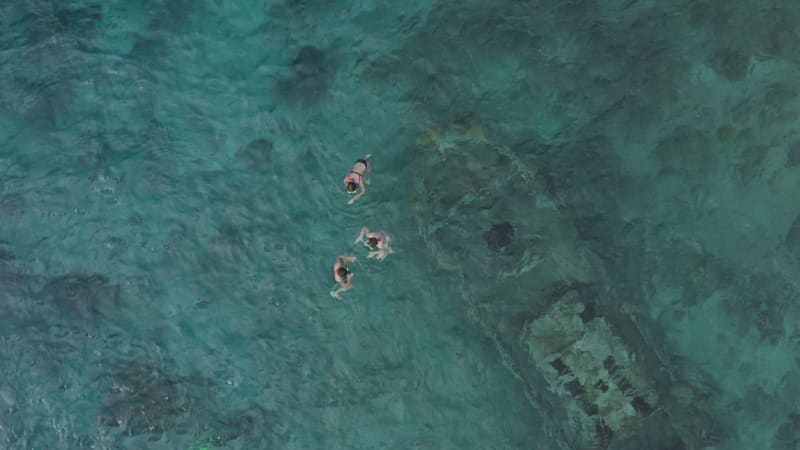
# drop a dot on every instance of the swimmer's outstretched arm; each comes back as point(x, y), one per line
point(360, 237)
point(337, 293)
point(363, 187)
point(346, 258)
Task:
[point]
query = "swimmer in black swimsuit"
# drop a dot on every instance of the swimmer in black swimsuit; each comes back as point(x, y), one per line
point(357, 178)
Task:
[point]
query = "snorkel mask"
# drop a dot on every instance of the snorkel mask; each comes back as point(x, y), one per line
point(371, 243)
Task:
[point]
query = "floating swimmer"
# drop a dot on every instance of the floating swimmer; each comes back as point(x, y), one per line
point(357, 178)
point(379, 242)
point(342, 275)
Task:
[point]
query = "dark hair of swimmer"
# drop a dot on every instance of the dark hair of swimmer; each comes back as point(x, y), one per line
point(342, 272)
point(372, 243)
point(352, 187)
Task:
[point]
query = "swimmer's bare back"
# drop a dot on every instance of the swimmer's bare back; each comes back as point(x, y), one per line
point(342, 275)
point(379, 242)
point(355, 181)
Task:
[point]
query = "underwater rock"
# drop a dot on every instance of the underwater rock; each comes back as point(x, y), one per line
point(14, 304)
point(80, 297)
point(787, 437)
point(732, 64)
point(5, 252)
point(749, 164)
point(309, 62)
point(778, 96)
point(793, 154)
point(310, 9)
point(253, 427)
point(257, 154)
point(684, 149)
point(500, 236)
point(769, 323)
point(63, 20)
point(726, 133)
point(705, 431)
point(310, 80)
point(12, 204)
point(793, 238)
point(54, 36)
point(80, 21)
point(761, 302)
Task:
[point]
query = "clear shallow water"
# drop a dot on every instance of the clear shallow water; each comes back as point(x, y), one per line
point(172, 206)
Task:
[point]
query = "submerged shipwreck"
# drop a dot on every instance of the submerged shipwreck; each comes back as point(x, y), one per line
point(532, 287)
point(582, 358)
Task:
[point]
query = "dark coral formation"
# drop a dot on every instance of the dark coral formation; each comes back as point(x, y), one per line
point(309, 62)
point(42, 82)
point(793, 238)
point(12, 203)
point(65, 19)
point(685, 149)
point(257, 154)
point(80, 20)
point(309, 82)
point(788, 435)
point(750, 162)
point(732, 64)
point(142, 397)
point(793, 154)
point(80, 297)
point(250, 427)
point(500, 236)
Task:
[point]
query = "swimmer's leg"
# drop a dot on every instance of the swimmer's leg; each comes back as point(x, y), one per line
point(367, 177)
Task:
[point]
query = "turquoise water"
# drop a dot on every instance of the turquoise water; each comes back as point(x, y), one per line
point(170, 187)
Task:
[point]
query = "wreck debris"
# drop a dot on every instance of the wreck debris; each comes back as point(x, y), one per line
point(584, 360)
